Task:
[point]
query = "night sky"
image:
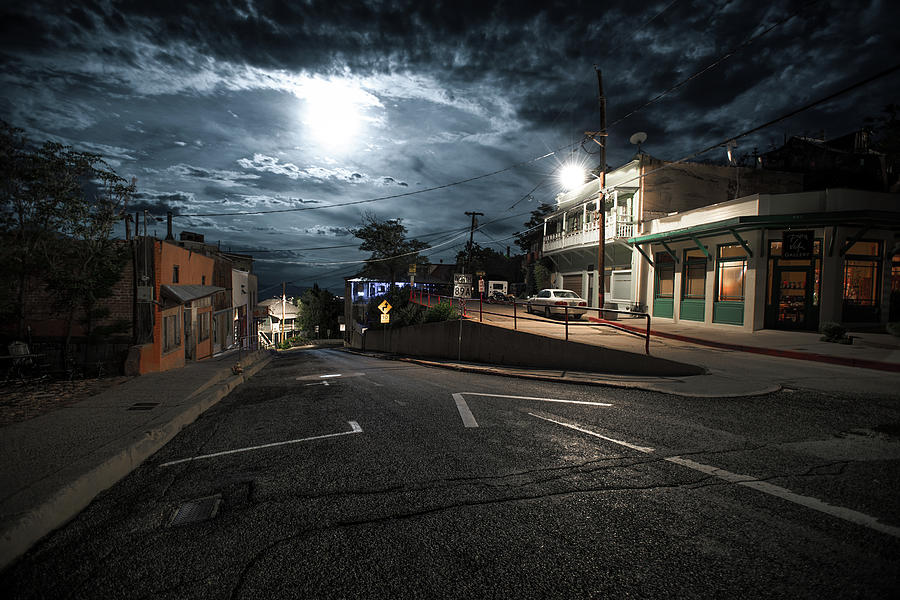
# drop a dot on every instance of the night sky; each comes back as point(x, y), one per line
point(227, 107)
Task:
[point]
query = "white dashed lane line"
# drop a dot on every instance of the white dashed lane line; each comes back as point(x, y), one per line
point(847, 514)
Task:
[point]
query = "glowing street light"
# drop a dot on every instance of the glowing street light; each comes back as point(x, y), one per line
point(571, 177)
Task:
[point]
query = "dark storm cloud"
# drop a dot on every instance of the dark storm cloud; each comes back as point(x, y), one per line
point(159, 203)
point(204, 101)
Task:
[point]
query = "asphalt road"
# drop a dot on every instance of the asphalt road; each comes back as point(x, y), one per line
point(345, 476)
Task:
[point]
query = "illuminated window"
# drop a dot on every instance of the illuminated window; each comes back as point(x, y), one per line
point(731, 267)
point(693, 284)
point(862, 269)
point(665, 275)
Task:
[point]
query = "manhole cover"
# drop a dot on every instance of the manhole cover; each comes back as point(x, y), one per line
point(200, 509)
point(143, 406)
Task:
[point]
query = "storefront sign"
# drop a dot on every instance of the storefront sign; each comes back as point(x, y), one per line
point(797, 244)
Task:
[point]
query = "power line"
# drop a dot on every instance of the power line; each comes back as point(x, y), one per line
point(392, 196)
point(787, 115)
point(713, 64)
point(356, 245)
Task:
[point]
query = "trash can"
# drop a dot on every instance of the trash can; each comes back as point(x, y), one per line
point(610, 316)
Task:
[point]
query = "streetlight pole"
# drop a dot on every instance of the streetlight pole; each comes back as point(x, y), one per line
point(471, 236)
point(601, 199)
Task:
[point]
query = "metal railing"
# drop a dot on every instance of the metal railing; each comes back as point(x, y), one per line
point(426, 298)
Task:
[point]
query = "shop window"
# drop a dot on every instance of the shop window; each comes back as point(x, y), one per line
point(862, 269)
point(731, 268)
point(693, 284)
point(665, 275)
point(171, 332)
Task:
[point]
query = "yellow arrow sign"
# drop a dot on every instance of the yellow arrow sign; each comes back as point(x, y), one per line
point(385, 307)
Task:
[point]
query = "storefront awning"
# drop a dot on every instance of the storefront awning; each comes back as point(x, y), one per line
point(185, 293)
point(860, 218)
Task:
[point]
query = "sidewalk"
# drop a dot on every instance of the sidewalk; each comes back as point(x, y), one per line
point(879, 351)
point(53, 465)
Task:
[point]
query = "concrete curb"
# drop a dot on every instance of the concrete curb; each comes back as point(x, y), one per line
point(647, 386)
point(590, 380)
point(72, 498)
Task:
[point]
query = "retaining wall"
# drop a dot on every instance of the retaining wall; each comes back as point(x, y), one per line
point(478, 342)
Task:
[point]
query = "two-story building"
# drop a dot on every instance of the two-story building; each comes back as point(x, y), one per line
point(637, 192)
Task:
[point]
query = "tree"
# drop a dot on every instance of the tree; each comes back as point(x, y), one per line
point(391, 252)
point(319, 308)
point(533, 230)
point(495, 264)
point(57, 212)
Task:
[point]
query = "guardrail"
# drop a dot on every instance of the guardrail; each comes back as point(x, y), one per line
point(426, 298)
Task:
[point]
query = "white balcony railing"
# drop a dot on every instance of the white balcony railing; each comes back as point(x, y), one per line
point(587, 235)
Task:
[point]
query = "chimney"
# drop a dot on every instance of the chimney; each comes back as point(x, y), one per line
point(169, 235)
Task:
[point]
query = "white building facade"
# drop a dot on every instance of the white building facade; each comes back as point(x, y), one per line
point(776, 261)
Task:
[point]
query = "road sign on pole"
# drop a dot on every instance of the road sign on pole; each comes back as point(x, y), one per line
point(385, 318)
point(385, 307)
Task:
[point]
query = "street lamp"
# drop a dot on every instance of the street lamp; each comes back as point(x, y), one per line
point(571, 176)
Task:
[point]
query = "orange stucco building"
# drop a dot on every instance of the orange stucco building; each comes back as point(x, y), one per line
point(183, 308)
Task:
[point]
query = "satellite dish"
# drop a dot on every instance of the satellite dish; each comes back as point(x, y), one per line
point(639, 138)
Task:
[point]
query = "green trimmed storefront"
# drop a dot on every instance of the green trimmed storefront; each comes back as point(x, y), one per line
point(787, 261)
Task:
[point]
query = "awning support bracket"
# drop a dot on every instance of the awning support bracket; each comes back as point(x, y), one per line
point(857, 236)
point(644, 254)
point(670, 251)
point(741, 241)
point(702, 247)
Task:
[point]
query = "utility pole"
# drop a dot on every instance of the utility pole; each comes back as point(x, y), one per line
point(283, 300)
point(601, 199)
point(471, 236)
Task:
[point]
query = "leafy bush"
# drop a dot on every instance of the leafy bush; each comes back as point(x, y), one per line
point(834, 332)
point(444, 311)
point(893, 328)
point(403, 312)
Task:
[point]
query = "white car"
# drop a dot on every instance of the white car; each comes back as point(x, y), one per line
point(549, 302)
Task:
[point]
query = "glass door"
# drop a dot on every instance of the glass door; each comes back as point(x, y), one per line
point(793, 299)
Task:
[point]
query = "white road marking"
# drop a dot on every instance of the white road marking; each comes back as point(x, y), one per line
point(469, 420)
point(354, 428)
point(316, 383)
point(464, 412)
point(328, 376)
point(541, 399)
point(643, 449)
point(840, 512)
point(376, 384)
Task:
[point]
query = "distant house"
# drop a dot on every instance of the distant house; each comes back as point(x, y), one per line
point(280, 320)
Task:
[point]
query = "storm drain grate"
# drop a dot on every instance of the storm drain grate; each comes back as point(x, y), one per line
point(143, 406)
point(200, 509)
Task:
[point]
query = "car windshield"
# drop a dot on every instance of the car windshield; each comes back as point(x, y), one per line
point(566, 294)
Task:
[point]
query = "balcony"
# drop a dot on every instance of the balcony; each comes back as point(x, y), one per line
point(587, 235)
